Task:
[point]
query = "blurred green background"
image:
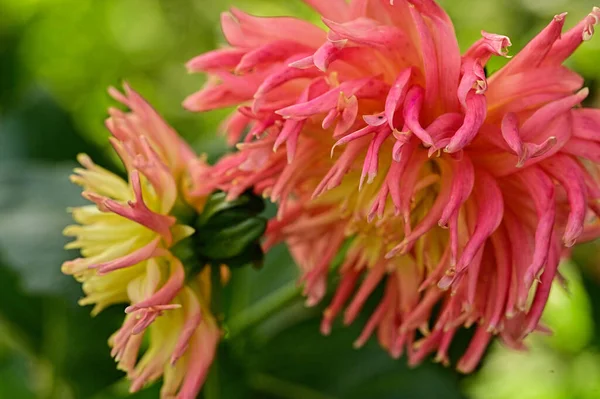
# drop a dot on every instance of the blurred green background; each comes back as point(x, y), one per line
point(57, 57)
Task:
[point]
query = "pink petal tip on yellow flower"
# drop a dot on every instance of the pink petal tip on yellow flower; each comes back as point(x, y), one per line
point(126, 239)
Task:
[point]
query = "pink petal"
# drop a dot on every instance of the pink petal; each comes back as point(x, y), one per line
point(284, 75)
point(430, 63)
point(138, 212)
point(327, 53)
point(536, 50)
point(407, 157)
point(495, 312)
point(474, 117)
point(375, 120)
point(202, 350)
point(490, 206)
point(342, 165)
point(193, 318)
point(510, 133)
point(372, 158)
point(569, 174)
point(271, 52)
point(384, 306)
point(490, 44)
point(232, 90)
point(541, 189)
point(413, 105)
point(366, 288)
point(462, 186)
point(586, 123)
point(247, 31)
point(475, 351)
point(348, 116)
point(431, 9)
point(543, 290)
point(354, 136)
point(368, 32)
point(167, 292)
point(396, 95)
point(342, 293)
point(324, 102)
point(432, 216)
point(222, 59)
point(568, 43)
point(583, 148)
point(473, 77)
point(338, 10)
point(525, 90)
point(544, 115)
point(441, 54)
point(144, 253)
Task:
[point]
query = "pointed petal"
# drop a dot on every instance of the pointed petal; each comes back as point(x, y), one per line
point(367, 32)
point(536, 50)
point(222, 59)
point(490, 209)
point(474, 117)
point(568, 43)
point(274, 51)
point(396, 95)
point(569, 174)
point(338, 10)
point(413, 105)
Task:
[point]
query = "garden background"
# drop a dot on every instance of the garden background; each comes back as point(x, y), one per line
point(57, 57)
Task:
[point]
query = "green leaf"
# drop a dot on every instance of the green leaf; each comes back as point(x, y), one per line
point(218, 211)
point(273, 347)
point(229, 242)
point(303, 357)
point(37, 301)
point(37, 128)
point(14, 377)
point(59, 337)
point(33, 206)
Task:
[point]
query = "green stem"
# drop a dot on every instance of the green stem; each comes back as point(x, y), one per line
point(212, 389)
point(284, 389)
point(262, 309)
point(216, 291)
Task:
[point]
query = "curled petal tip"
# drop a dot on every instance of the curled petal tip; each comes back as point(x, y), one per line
point(358, 344)
point(391, 254)
point(375, 120)
point(522, 159)
point(569, 241)
point(450, 149)
point(303, 63)
point(560, 17)
point(325, 327)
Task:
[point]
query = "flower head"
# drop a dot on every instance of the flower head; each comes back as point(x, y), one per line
point(453, 189)
point(128, 239)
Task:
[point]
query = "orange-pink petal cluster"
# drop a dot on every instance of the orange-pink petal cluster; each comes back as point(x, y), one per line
point(455, 191)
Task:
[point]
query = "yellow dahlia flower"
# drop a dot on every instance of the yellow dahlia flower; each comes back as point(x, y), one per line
point(129, 238)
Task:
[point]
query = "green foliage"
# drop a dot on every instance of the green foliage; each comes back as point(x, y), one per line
point(229, 232)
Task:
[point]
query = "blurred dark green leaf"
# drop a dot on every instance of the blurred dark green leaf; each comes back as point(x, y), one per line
point(14, 375)
point(32, 214)
point(280, 353)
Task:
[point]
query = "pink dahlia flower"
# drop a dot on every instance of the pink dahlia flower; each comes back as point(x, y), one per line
point(126, 239)
point(453, 189)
